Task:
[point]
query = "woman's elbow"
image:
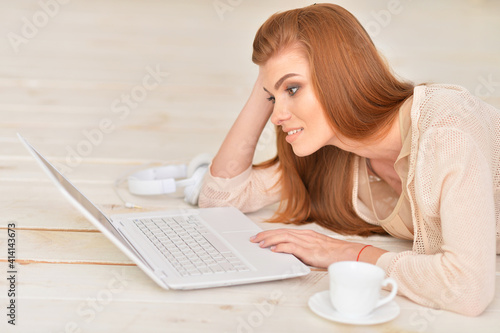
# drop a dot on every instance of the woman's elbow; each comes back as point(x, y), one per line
point(213, 196)
point(205, 201)
point(472, 298)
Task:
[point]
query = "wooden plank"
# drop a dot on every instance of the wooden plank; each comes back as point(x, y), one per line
point(41, 206)
point(92, 247)
point(165, 144)
point(34, 202)
point(80, 281)
point(164, 95)
point(64, 247)
point(115, 316)
point(71, 292)
point(99, 172)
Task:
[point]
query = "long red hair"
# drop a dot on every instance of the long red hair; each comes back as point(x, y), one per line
point(361, 98)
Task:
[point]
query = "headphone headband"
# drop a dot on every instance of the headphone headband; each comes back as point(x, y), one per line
point(162, 180)
point(155, 181)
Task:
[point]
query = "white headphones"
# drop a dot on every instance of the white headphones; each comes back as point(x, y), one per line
point(168, 178)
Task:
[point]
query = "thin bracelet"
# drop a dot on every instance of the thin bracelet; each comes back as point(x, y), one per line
point(364, 247)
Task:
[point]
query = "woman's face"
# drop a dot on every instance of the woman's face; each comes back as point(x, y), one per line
point(287, 79)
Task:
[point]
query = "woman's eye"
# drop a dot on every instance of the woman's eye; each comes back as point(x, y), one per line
point(271, 99)
point(292, 90)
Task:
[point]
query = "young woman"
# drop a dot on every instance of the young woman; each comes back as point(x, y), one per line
point(362, 152)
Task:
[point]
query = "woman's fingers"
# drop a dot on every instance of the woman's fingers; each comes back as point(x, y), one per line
point(274, 237)
point(311, 247)
point(315, 249)
point(264, 235)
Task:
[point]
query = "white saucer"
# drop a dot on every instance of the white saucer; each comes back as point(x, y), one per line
point(320, 304)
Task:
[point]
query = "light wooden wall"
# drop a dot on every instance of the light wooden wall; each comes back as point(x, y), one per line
point(65, 67)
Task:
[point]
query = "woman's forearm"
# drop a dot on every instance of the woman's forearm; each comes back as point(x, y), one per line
point(236, 152)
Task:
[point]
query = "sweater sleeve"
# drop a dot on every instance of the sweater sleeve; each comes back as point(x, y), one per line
point(455, 270)
point(249, 191)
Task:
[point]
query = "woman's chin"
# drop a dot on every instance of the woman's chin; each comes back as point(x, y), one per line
point(304, 151)
point(300, 152)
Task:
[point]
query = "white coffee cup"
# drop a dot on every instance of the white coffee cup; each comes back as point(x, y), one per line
point(355, 287)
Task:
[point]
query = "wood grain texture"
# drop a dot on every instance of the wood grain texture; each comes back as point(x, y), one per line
point(76, 87)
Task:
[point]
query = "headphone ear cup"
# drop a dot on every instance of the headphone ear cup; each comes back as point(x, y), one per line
point(198, 161)
point(196, 170)
point(192, 192)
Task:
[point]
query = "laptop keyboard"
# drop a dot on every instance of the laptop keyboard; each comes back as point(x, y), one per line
point(189, 246)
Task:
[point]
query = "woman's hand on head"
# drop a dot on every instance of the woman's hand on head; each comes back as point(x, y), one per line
point(238, 149)
point(313, 248)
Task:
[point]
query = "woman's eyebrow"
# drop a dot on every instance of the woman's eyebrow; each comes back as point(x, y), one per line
point(280, 81)
point(283, 78)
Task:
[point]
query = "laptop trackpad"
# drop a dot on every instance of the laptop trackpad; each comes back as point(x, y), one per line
point(241, 241)
point(281, 264)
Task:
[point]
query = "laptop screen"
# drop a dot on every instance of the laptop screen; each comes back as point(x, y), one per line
point(73, 192)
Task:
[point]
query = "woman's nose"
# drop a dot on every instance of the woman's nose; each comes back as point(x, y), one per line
point(280, 114)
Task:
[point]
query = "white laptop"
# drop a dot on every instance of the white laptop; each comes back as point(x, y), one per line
point(184, 249)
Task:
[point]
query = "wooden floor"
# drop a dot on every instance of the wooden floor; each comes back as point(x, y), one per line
point(104, 87)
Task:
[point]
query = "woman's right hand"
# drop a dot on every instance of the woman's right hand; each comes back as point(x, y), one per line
point(237, 150)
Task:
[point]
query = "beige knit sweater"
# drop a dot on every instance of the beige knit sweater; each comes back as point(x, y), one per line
point(450, 205)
